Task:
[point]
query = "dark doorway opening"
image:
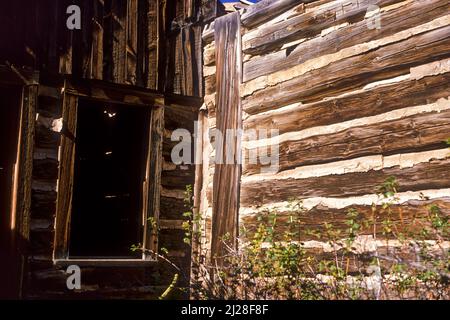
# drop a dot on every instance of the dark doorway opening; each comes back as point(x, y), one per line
point(110, 161)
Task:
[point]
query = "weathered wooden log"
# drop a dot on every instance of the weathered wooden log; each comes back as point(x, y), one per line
point(43, 204)
point(229, 116)
point(46, 169)
point(171, 208)
point(209, 54)
point(41, 242)
point(177, 116)
point(353, 72)
point(266, 10)
point(421, 176)
point(178, 179)
point(376, 100)
point(393, 21)
point(46, 138)
point(418, 132)
point(210, 84)
point(305, 25)
point(410, 216)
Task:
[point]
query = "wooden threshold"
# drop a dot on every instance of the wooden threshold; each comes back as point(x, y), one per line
point(104, 262)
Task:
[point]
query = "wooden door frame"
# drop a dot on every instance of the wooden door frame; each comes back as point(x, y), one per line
point(28, 81)
point(117, 94)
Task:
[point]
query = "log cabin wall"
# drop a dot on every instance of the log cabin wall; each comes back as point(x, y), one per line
point(359, 91)
point(155, 45)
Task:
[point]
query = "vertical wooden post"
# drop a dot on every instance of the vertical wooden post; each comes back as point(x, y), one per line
point(22, 206)
point(153, 182)
point(226, 183)
point(66, 176)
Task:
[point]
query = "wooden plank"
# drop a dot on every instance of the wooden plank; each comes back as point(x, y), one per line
point(119, 25)
point(188, 62)
point(131, 42)
point(152, 183)
point(229, 116)
point(353, 72)
point(393, 21)
point(97, 42)
point(422, 176)
point(417, 132)
point(209, 10)
point(197, 61)
point(108, 92)
point(21, 204)
point(153, 17)
point(66, 177)
point(196, 237)
point(11, 75)
point(376, 100)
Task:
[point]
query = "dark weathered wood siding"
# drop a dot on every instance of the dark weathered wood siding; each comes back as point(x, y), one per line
point(143, 44)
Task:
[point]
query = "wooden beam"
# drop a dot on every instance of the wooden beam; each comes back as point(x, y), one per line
point(152, 183)
point(229, 116)
point(118, 93)
point(65, 177)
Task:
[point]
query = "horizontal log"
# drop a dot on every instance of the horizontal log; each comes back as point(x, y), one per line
point(171, 224)
point(257, 14)
point(266, 10)
point(210, 84)
point(414, 133)
point(208, 33)
point(41, 224)
point(376, 100)
point(49, 107)
point(45, 169)
point(172, 240)
point(43, 204)
point(108, 92)
point(392, 21)
point(46, 138)
point(361, 164)
point(354, 72)
point(421, 176)
point(209, 54)
point(410, 216)
point(41, 242)
point(177, 116)
point(172, 209)
point(178, 179)
point(306, 24)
